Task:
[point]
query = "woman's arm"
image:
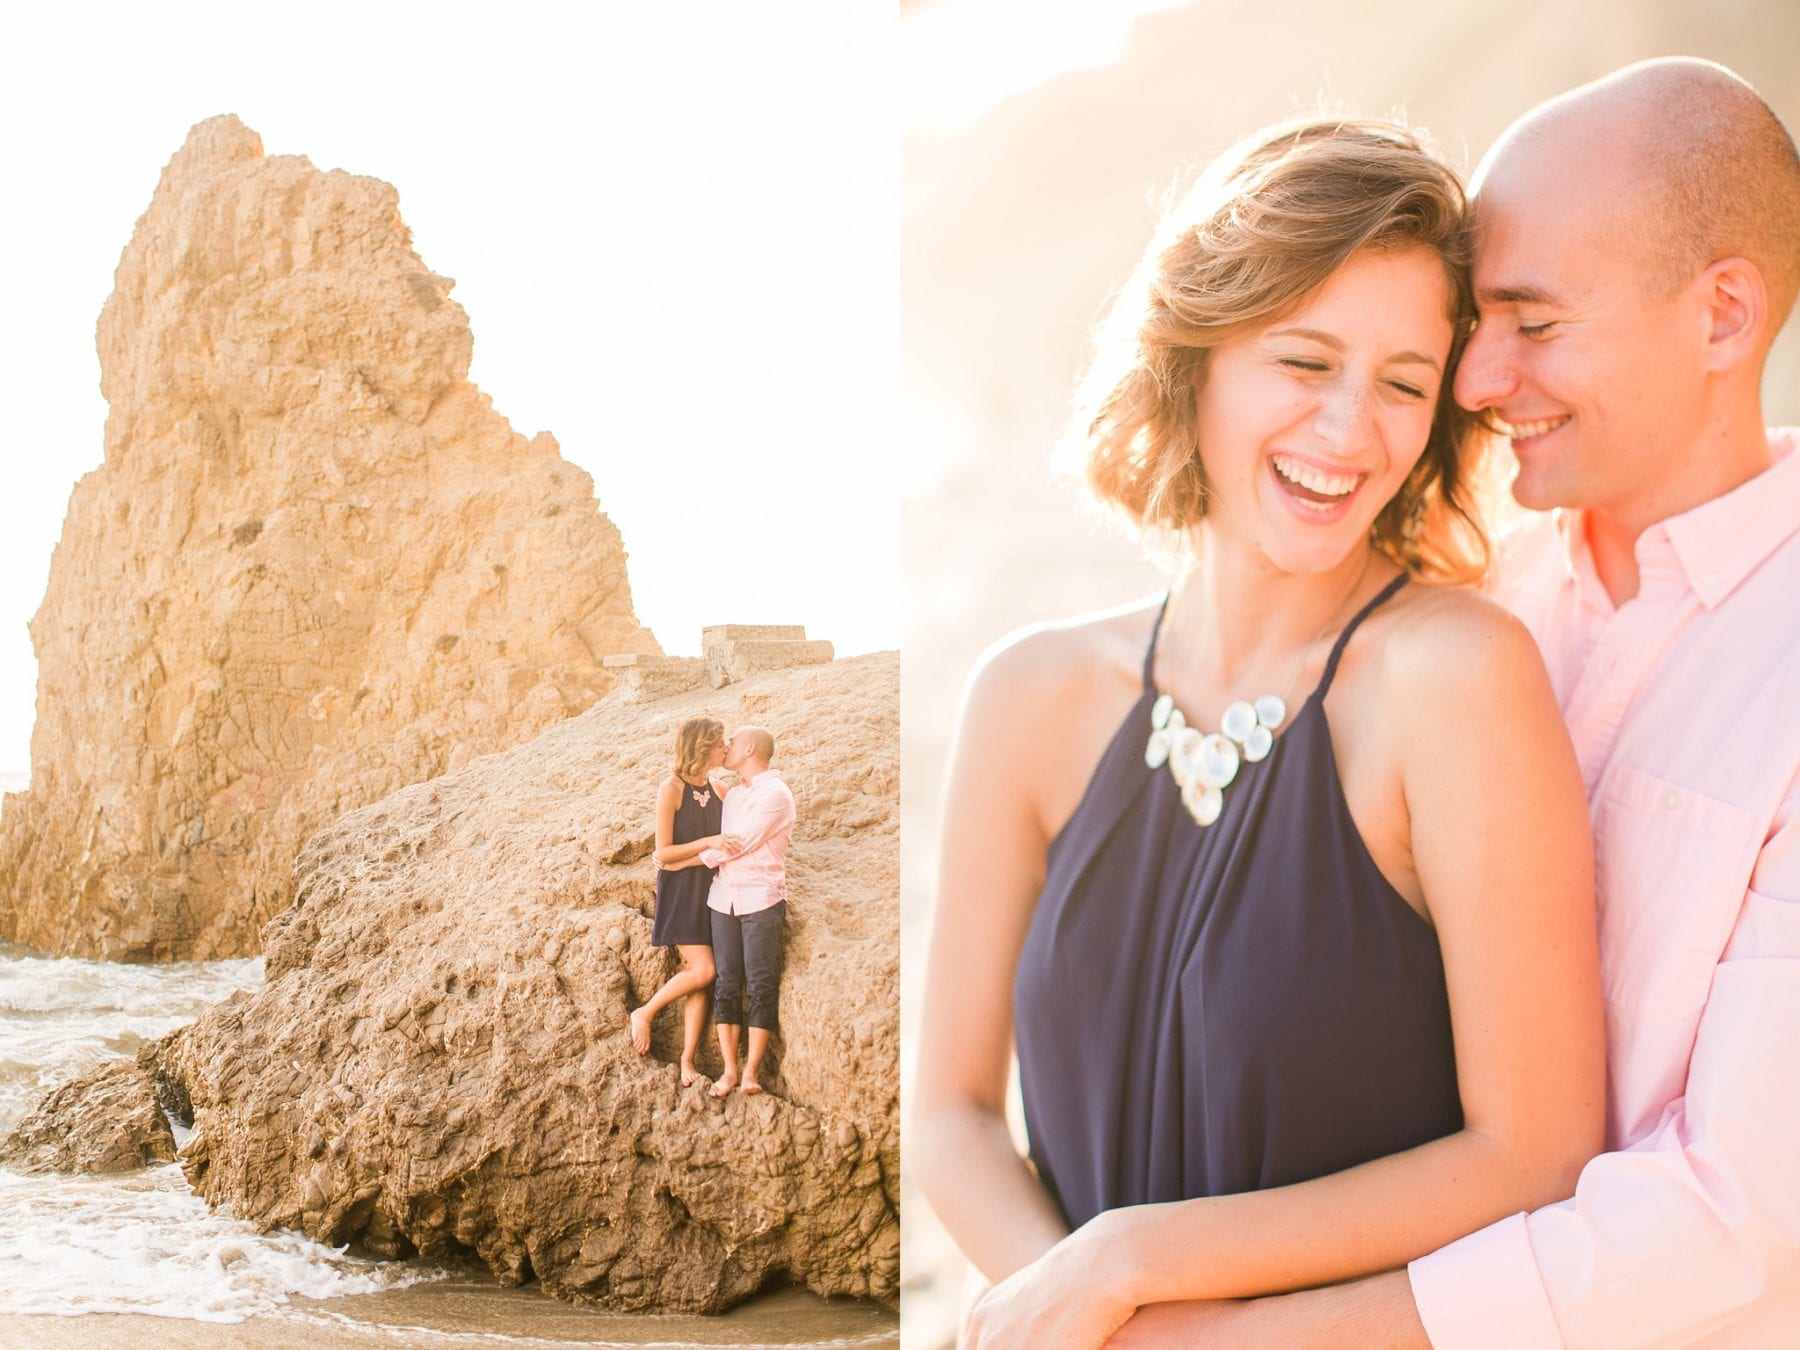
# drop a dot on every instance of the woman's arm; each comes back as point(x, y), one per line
point(990, 868)
point(1503, 852)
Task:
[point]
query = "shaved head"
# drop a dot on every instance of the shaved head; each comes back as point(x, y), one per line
point(759, 742)
point(1697, 166)
point(1637, 249)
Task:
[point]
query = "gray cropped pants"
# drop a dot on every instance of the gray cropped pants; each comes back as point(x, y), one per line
point(747, 956)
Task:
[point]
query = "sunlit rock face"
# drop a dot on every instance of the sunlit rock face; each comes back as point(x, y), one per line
point(315, 566)
point(439, 1060)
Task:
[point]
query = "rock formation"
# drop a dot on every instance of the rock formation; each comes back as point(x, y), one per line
point(439, 1061)
point(107, 1120)
point(315, 565)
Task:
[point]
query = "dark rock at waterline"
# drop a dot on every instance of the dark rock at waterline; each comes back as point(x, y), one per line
point(107, 1120)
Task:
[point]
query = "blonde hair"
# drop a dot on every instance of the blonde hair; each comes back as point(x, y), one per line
point(1267, 225)
point(694, 744)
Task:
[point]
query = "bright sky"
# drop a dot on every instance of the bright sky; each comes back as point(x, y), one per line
point(960, 57)
point(673, 226)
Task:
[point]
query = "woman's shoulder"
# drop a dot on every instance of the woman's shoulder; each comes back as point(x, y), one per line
point(1046, 663)
point(1445, 644)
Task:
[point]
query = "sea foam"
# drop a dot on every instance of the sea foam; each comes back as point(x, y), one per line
point(139, 1242)
point(144, 1243)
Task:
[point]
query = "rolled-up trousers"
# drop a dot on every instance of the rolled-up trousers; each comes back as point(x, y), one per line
point(747, 955)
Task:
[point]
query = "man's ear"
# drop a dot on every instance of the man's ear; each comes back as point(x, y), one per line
point(1737, 311)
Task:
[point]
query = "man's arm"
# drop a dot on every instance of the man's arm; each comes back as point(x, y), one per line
point(764, 819)
point(1696, 1221)
point(1670, 1238)
point(1372, 1314)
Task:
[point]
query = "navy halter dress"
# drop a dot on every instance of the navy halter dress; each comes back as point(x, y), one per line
point(682, 919)
point(1208, 1010)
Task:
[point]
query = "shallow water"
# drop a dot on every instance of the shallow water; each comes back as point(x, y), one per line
point(138, 1242)
point(84, 1260)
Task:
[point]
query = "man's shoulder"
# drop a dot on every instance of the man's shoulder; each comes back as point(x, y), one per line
point(775, 785)
point(1529, 548)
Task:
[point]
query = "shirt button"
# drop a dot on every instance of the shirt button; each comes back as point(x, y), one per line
point(1672, 801)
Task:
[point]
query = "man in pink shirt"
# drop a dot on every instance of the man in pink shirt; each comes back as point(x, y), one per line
point(1638, 248)
point(749, 903)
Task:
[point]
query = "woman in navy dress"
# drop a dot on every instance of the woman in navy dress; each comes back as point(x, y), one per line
point(688, 808)
point(1280, 884)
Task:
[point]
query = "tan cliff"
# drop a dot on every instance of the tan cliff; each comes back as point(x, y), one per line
point(315, 565)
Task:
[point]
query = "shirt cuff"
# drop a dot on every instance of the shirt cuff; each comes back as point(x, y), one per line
point(712, 857)
point(1484, 1292)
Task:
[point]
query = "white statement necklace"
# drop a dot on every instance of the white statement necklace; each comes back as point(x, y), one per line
point(1204, 765)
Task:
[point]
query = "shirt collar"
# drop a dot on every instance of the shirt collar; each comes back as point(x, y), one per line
point(1718, 543)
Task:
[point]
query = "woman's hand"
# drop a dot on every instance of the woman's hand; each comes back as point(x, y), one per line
point(727, 843)
point(1069, 1298)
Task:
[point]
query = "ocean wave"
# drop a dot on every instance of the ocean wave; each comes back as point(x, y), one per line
point(60, 1016)
point(143, 1243)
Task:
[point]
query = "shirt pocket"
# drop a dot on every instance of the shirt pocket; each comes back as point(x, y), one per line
point(1672, 867)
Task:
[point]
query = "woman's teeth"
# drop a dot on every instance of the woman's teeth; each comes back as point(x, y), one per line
point(1332, 486)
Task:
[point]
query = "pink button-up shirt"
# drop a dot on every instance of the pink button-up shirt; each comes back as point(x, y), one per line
point(761, 814)
point(1684, 705)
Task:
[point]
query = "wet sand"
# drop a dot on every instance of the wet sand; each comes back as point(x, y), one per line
point(474, 1311)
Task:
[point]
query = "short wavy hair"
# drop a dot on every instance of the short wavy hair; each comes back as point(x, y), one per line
point(694, 744)
point(1266, 225)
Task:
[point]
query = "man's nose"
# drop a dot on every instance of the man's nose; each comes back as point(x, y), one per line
point(1485, 376)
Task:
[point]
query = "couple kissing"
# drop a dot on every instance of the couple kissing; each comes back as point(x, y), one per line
point(721, 896)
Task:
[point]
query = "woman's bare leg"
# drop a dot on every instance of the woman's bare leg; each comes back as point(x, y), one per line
point(693, 1013)
point(695, 974)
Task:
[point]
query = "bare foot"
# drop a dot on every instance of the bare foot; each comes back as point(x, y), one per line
point(723, 1087)
point(750, 1086)
point(690, 1075)
point(640, 1030)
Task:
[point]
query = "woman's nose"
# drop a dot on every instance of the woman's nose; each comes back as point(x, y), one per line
point(1346, 419)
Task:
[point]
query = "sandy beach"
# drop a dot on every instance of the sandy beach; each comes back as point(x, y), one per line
point(470, 1310)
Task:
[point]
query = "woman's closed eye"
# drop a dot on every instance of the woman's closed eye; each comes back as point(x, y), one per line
point(1313, 366)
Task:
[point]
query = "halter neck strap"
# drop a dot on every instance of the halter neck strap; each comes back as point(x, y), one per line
point(1150, 651)
point(1331, 663)
point(1337, 650)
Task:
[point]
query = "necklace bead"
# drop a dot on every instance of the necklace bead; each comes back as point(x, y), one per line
point(1239, 720)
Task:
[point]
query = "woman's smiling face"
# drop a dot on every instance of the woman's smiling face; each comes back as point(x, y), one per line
point(1308, 427)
